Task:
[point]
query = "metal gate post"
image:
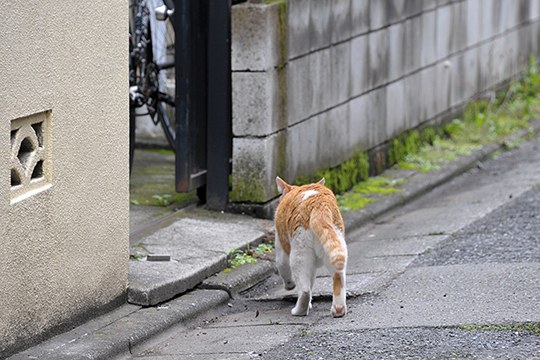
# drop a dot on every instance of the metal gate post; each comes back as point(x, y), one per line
point(203, 99)
point(219, 130)
point(190, 37)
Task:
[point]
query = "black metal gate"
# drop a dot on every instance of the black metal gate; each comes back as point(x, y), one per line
point(203, 99)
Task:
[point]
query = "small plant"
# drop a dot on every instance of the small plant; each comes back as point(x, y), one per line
point(137, 256)
point(163, 200)
point(263, 249)
point(240, 257)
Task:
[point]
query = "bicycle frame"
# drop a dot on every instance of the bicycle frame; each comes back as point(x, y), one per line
point(147, 83)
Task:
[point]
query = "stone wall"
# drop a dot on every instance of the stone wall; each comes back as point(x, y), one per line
point(315, 81)
point(64, 194)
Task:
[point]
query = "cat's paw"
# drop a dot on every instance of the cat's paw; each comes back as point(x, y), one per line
point(299, 312)
point(302, 304)
point(289, 285)
point(339, 310)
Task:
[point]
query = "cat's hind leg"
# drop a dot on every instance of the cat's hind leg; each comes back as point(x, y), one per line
point(283, 266)
point(303, 269)
point(336, 263)
point(339, 306)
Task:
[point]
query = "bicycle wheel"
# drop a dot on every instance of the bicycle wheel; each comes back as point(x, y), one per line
point(152, 76)
point(167, 114)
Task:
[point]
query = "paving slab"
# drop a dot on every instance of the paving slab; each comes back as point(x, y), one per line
point(357, 285)
point(258, 317)
point(412, 245)
point(451, 296)
point(213, 342)
point(377, 262)
point(393, 264)
point(198, 247)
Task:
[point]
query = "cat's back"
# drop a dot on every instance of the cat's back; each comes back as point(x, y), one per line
point(304, 198)
point(297, 206)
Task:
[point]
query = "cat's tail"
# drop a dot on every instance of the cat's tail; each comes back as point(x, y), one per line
point(322, 224)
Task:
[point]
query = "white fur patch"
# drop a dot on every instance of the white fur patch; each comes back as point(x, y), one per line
point(341, 238)
point(309, 193)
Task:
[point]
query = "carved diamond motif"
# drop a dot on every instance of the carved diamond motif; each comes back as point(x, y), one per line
point(28, 153)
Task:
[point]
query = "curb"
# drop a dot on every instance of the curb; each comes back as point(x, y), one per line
point(122, 333)
point(240, 279)
point(205, 246)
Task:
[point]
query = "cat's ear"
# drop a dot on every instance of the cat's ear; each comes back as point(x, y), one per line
point(282, 186)
point(322, 181)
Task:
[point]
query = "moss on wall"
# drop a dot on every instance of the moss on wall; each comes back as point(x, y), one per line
point(248, 184)
point(344, 176)
point(248, 190)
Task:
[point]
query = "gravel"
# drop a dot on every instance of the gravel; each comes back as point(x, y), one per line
point(412, 343)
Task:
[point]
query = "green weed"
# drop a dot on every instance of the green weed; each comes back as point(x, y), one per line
point(263, 249)
point(137, 256)
point(483, 122)
point(353, 201)
point(360, 195)
point(239, 257)
point(163, 200)
point(378, 185)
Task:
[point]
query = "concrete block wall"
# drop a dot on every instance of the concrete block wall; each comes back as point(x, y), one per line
point(315, 81)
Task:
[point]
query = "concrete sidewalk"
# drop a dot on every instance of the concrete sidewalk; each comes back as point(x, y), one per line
point(197, 243)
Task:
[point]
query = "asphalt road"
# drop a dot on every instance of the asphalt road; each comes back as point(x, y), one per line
point(511, 234)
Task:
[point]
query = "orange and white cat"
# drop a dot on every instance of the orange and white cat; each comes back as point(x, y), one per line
point(310, 233)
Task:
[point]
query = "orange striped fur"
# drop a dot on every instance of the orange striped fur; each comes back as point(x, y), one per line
point(304, 214)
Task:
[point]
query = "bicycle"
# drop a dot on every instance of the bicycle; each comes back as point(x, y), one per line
point(151, 67)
